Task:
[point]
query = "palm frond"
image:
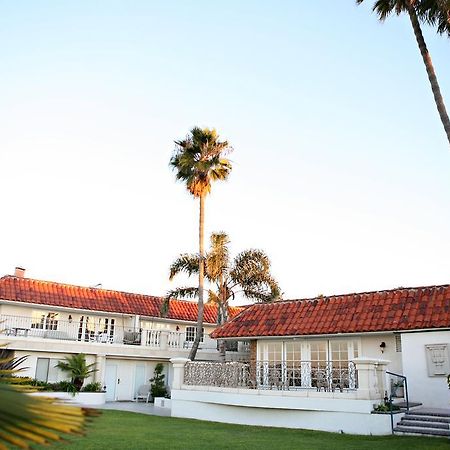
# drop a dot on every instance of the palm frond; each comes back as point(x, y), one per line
point(218, 259)
point(187, 263)
point(183, 293)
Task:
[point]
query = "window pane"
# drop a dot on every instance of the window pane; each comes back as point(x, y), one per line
point(42, 369)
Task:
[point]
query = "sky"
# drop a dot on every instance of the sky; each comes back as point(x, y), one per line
point(341, 167)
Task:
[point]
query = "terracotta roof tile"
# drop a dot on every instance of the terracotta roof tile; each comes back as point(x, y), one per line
point(28, 290)
point(394, 310)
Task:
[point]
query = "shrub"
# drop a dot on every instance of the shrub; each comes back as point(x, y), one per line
point(64, 386)
point(93, 387)
point(158, 387)
point(77, 368)
point(386, 407)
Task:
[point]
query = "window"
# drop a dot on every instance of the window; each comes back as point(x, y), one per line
point(191, 332)
point(44, 320)
point(99, 329)
point(398, 343)
point(46, 370)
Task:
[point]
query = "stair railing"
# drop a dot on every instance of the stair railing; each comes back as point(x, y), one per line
point(406, 396)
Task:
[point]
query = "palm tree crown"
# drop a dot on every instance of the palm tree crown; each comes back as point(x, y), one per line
point(198, 160)
point(247, 274)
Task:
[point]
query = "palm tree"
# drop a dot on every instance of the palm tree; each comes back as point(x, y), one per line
point(198, 161)
point(247, 274)
point(431, 11)
point(78, 369)
point(25, 419)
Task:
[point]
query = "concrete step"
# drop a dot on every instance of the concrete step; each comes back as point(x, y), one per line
point(422, 431)
point(430, 412)
point(426, 418)
point(423, 424)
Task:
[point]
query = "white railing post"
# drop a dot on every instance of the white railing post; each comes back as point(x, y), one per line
point(370, 371)
point(178, 371)
point(164, 340)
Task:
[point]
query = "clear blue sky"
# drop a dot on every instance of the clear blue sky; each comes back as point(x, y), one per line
point(341, 165)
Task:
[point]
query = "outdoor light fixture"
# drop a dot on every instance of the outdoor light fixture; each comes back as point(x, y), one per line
point(382, 346)
point(70, 318)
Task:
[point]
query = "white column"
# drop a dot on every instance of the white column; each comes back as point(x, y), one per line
point(100, 365)
point(371, 372)
point(164, 339)
point(178, 372)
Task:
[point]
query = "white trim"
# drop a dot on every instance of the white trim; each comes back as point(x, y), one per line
point(343, 335)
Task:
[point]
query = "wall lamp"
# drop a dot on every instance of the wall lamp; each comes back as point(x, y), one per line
point(382, 346)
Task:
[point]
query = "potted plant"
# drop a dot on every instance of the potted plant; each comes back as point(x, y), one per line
point(158, 385)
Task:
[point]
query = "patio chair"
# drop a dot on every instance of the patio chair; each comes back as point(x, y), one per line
point(143, 393)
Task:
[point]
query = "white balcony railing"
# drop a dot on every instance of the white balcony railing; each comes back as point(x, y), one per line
point(102, 331)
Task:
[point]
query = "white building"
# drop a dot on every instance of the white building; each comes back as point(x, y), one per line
point(325, 363)
point(123, 333)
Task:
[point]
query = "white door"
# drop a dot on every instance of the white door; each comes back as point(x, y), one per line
point(111, 382)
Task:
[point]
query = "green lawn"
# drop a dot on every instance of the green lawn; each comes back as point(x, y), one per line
point(131, 431)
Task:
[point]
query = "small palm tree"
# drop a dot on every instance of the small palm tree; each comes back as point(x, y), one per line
point(198, 161)
point(25, 419)
point(436, 12)
point(78, 369)
point(247, 274)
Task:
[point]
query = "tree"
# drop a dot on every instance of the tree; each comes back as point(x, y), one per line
point(199, 160)
point(435, 12)
point(78, 369)
point(247, 274)
point(158, 385)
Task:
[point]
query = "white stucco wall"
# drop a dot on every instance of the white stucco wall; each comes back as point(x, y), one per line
point(370, 348)
point(431, 391)
point(276, 410)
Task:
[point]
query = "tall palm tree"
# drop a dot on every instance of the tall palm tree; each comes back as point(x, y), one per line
point(248, 274)
point(431, 11)
point(199, 160)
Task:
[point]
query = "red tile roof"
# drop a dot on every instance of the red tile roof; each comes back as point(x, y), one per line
point(394, 310)
point(28, 290)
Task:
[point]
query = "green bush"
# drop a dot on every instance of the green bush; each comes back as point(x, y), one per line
point(93, 387)
point(386, 408)
point(158, 385)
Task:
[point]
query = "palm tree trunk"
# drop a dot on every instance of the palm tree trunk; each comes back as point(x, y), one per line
point(221, 308)
point(201, 276)
point(430, 70)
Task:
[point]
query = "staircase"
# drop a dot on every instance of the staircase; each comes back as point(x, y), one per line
point(425, 421)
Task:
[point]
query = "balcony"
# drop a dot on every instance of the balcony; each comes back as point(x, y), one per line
point(326, 376)
point(104, 331)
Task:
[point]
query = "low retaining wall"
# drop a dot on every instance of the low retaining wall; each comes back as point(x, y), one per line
point(80, 398)
point(268, 408)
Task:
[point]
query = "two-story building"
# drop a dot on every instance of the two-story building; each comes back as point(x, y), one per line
point(122, 332)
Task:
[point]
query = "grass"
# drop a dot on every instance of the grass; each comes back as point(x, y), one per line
point(133, 431)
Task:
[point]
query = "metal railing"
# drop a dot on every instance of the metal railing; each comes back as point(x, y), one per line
point(329, 376)
point(398, 389)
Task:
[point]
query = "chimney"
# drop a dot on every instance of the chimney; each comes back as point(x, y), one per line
point(19, 272)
